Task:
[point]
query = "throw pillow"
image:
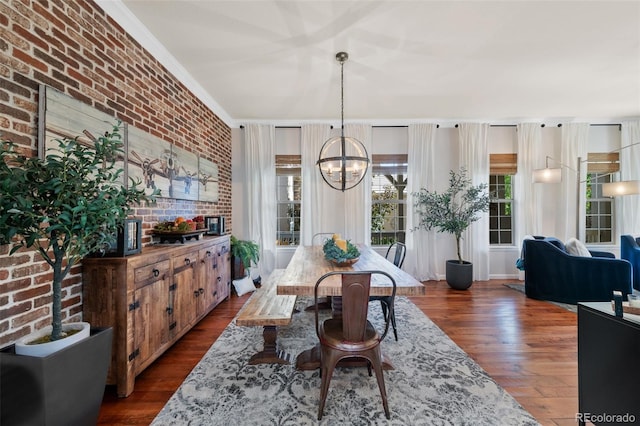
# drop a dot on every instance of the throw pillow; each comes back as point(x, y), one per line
point(244, 285)
point(577, 248)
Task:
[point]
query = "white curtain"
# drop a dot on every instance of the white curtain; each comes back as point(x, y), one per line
point(318, 199)
point(474, 156)
point(260, 200)
point(628, 206)
point(571, 205)
point(357, 201)
point(528, 221)
point(421, 245)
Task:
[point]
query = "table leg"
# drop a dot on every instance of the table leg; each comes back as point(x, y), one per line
point(270, 353)
point(336, 307)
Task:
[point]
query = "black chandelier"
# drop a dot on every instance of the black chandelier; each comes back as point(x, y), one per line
point(343, 160)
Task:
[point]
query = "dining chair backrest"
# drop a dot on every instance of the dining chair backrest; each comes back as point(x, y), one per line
point(398, 254)
point(355, 303)
point(319, 238)
point(355, 289)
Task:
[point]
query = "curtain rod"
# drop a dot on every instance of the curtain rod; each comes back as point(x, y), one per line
point(619, 125)
point(503, 125)
point(284, 127)
point(601, 124)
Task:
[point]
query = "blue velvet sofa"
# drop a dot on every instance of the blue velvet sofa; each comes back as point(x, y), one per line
point(553, 274)
point(630, 250)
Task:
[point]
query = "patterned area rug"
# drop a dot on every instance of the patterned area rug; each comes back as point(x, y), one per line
point(434, 382)
point(520, 287)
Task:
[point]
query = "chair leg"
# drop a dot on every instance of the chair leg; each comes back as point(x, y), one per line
point(383, 305)
point(377, 367)
point(392, 315)
point(389, 314)
point(328, 364)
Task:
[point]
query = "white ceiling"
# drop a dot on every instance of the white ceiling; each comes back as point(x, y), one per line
point(497, 61)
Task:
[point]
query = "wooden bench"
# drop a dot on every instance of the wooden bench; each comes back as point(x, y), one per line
point(268, 309)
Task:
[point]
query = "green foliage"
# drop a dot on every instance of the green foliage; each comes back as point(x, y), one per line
point(247, 251)
point(335, 253)
point(66, 206)
point(381, 211)
point(453, 210)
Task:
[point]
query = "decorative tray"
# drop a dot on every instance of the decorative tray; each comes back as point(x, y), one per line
point(177, 236)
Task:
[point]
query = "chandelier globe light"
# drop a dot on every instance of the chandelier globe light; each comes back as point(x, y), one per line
point(343, 160)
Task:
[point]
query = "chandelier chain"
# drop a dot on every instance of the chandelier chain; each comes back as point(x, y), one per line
point(342, 98)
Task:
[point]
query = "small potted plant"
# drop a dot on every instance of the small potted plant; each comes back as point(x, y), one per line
point(453, 211)
point(244, 253)
point(65, 206)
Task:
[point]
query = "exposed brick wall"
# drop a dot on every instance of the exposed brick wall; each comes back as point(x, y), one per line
point(73, 46)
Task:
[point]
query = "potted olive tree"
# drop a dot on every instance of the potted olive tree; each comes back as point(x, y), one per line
point(64, 206)
point(453, 211)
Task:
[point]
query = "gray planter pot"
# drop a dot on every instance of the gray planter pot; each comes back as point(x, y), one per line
point(64, 388)
point(459, 275)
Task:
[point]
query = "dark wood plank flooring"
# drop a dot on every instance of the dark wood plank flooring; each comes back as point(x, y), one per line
point(529, 347)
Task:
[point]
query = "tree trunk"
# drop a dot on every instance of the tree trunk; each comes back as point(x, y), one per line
point(56, 298)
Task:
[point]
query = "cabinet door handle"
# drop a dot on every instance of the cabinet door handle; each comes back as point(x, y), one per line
point(208, 253)
point(187, 261)
point(219, 279)
point(169, 310)
point(156, 273)
point(196, 293)
point(201, 290)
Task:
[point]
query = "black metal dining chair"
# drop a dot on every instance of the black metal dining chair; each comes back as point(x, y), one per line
point(320, 238)
point(399, 252)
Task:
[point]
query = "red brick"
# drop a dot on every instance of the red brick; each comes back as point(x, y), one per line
point(15, 309)
point(15, 285)
point(29, 317)
point(31, 293)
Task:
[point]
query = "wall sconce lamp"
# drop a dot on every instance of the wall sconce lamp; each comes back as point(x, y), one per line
point(343, 160)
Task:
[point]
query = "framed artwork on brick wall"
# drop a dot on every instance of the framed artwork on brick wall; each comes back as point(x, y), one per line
point(61, 116)
point(208, 180)
point(149, 160)
point(184, 176)
point(176, 172)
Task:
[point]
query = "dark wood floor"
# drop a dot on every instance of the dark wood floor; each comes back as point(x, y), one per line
point(529, 348)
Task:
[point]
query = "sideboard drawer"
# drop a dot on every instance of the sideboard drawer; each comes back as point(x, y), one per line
point(149, 273)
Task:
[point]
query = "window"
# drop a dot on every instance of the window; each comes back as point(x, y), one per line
point(500, 209)
point(599, 209)
point(388, 199)
point(501, 171)
point(289, 189)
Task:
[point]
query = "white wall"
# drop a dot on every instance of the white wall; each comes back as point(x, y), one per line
point(394, 140)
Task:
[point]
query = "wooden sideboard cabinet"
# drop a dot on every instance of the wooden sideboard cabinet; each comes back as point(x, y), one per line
point(153, 298)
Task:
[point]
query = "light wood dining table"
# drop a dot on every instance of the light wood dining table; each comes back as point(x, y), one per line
point(308, 264)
